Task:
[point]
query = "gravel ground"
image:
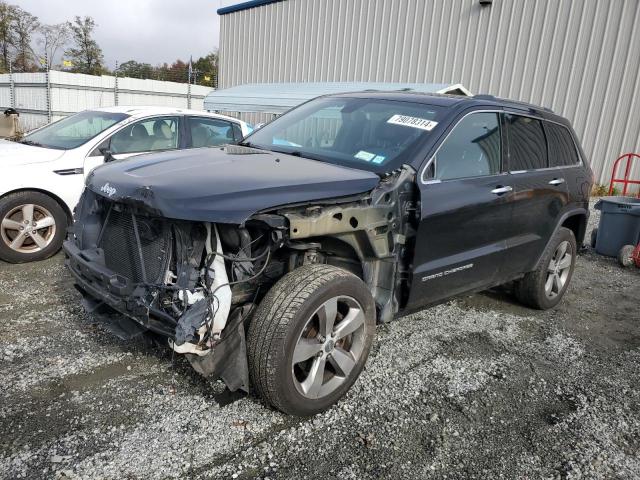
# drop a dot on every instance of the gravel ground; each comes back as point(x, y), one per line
point(477, 388)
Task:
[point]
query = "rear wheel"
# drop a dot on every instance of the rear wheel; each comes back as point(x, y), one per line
point(309, 339)
point(625, 256)
point(544, 287)
point(32, 227)
point(594, 237)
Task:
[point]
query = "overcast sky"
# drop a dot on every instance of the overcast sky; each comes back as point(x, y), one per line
point(152, 31)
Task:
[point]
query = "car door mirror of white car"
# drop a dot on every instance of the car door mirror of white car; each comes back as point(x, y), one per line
point(107, 154)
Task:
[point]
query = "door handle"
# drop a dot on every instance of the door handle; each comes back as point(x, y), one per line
point(557, 181)
point(501, 190)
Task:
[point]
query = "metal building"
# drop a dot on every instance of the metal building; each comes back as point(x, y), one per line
point(579, 57)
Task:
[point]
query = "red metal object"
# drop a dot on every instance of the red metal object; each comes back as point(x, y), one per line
point(635, 256)
point(629, 157)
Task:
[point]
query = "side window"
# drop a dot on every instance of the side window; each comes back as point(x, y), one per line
point(562, 149)
point(527, 144)
point(472, 149)
point(237, 132)
point(152, 134)
point(209, 132)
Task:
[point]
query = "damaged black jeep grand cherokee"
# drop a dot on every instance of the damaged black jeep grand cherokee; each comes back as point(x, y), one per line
point(268, 263)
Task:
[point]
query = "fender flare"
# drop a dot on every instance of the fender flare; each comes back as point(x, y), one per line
point(570, 213)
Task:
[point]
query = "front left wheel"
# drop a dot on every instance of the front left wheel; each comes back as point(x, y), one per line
point(32, 227)
point(309, 339)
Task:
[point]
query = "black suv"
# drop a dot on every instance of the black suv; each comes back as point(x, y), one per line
point(268, 263)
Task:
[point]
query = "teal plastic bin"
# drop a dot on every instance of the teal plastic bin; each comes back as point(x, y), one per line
point(619, 224)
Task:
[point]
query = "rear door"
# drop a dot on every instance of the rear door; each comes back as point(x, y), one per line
point(540, 192)
point(211, 132)
point(466, 210)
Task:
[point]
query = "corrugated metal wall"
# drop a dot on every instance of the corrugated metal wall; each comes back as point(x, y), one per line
point(73, 92)
point(579, 57)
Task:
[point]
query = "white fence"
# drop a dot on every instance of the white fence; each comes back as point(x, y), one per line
point(48, 96)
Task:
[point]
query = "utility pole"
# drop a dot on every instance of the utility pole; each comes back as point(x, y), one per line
point(189, 84)
point(48, 80)
point(12, 87)
point(115, 86)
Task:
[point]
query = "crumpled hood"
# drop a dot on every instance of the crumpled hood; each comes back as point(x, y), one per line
point(13, 154)
point(225, 185)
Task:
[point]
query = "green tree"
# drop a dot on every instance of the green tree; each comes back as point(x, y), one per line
point(24, 25)
point(206, 69)
point(135, 69)
point(85, 55)
point(7, 34)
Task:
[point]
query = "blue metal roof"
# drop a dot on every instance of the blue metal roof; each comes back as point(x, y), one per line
point(277, 98)
point(245, 6)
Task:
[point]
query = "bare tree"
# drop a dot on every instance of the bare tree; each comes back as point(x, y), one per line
point(24, 25)
point(52, 39)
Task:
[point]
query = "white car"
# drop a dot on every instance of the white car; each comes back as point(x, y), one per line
point(43, 174)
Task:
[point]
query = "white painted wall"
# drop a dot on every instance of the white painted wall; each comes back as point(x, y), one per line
point(74, 92)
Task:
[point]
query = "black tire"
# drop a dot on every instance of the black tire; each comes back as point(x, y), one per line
point(42, 202)
point(279, 322)
point(625, 256)
point(530, 290)
point(594, 237)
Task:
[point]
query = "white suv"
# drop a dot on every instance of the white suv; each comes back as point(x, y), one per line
point(43, 174)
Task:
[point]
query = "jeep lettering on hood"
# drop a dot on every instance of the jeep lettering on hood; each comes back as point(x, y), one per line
point(108, 190)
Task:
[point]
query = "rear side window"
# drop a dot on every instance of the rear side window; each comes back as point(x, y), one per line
point(472, 149)
point(527, 144)
point(562, 149)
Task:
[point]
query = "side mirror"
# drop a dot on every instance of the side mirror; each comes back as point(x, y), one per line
point(108, 156)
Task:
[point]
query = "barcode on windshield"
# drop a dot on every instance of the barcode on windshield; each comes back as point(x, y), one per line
point(414, 122)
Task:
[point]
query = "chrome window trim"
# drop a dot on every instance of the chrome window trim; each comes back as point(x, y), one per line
point(541, 119)
point(512, 172)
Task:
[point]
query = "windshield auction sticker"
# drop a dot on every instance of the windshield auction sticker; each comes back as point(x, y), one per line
point(414, 122)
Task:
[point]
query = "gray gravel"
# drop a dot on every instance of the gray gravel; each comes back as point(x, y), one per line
point(477, 388)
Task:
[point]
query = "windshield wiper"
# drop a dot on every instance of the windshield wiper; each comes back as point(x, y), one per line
point(249, 145)
point(296, 153)
point(31, 142)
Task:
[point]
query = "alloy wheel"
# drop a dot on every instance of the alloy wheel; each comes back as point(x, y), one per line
point(28, 228)
point(558, 270)
point(329, 347)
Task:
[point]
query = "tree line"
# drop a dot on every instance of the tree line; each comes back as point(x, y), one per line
point(28, 45)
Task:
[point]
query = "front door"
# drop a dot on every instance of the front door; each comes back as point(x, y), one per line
point(144, 136)
point(466, 209)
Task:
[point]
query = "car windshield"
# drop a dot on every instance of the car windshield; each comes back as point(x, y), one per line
point(368, 133)
point(73, 131)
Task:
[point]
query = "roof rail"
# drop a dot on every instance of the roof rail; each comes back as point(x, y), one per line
point(529, 106)
point(484, 96)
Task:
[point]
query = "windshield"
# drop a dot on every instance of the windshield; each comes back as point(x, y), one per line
point(73, 131)
point(366, 133)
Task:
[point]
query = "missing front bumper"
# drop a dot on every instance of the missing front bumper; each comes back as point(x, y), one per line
point(117, 303)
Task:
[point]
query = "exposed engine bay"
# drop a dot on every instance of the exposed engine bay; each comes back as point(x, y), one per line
point(197, 283)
